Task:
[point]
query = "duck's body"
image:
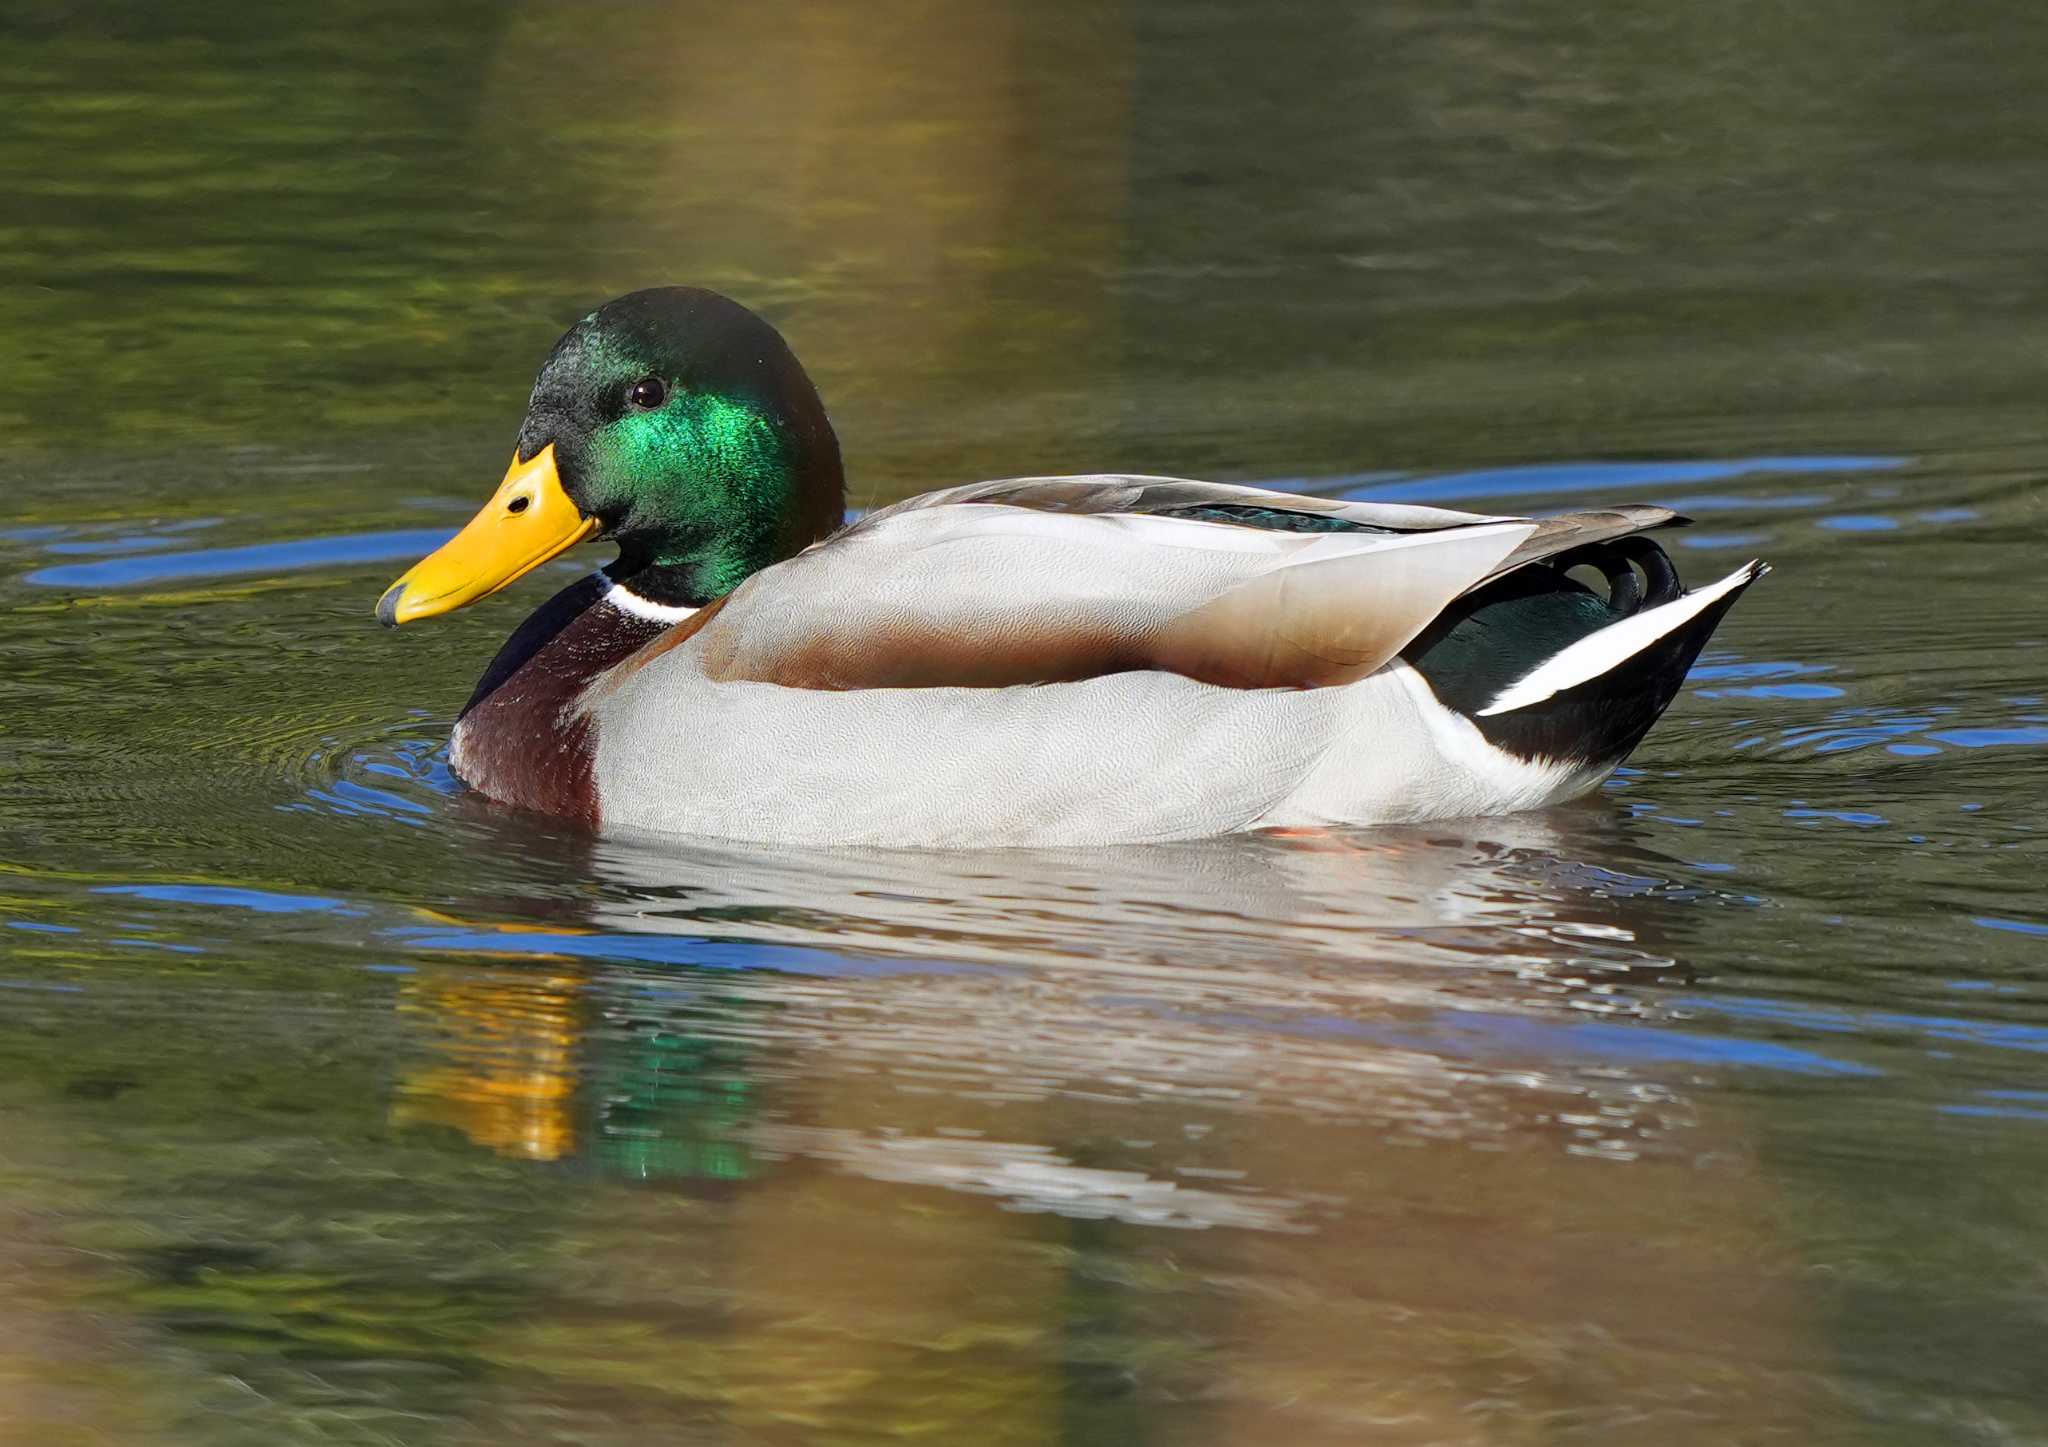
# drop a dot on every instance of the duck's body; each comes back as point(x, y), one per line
point(1035, 661)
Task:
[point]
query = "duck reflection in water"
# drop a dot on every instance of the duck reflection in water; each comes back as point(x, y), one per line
point(1274, 1138)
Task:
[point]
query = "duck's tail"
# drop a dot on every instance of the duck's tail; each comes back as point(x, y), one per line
point(1547, 670)
point(1594, 700)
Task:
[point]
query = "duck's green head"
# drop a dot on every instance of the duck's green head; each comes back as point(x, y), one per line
point(672, 422)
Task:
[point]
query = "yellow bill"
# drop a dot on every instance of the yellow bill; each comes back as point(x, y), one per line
point(527, 521)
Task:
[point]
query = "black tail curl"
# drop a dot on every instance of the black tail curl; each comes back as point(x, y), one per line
point(1618, 562)
point(1497, 634)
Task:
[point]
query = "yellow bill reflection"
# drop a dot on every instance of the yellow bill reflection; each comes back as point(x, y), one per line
point(502, 1059)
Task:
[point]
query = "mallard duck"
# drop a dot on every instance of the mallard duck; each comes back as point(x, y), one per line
point(1037, 660)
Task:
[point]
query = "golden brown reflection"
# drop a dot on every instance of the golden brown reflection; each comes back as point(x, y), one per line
point(889, 182)
point(502, 1065)
point(1245, 1141)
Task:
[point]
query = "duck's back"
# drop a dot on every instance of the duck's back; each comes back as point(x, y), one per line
point(1053, 661)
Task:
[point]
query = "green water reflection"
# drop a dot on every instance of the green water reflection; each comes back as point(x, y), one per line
point(338, 1107)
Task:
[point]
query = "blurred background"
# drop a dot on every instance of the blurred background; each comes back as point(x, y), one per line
point(336, 1107)
point(1261, 239)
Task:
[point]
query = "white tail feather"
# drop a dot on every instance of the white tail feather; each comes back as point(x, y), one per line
point(1613, 645)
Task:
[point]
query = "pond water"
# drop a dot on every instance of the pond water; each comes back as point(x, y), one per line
point(337, 1106)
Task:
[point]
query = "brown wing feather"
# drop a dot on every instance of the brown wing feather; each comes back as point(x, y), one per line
point(1571, 530)
point(922, 652)
point(1328, 612)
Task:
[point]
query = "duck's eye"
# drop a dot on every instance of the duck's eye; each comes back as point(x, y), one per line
point(647, 394)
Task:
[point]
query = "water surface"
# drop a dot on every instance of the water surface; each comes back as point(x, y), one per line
point(339, 1106)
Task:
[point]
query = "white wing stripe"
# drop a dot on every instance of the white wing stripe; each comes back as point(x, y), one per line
point(1596, 654)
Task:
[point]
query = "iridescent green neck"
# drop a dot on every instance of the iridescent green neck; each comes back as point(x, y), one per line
point(685, 425)
point(719, 489)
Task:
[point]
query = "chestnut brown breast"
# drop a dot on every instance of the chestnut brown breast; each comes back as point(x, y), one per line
point(520, 740)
